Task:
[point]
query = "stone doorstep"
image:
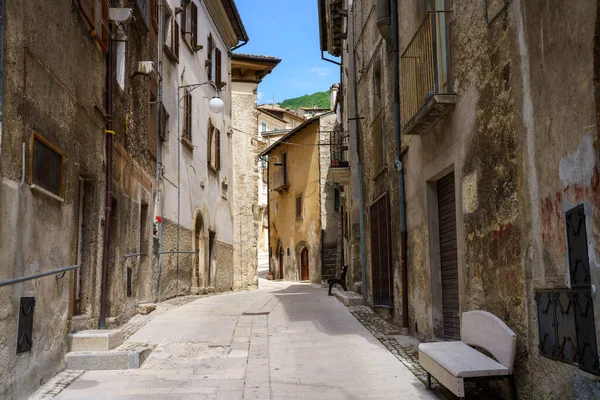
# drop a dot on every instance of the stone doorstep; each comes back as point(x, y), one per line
point(107, 360)
point(95, 340)
point(348, 298)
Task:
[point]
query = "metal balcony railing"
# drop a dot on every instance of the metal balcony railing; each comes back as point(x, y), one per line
point(426, 92)
point(339, 149)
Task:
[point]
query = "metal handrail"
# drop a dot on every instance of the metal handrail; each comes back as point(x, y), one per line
point(30, 277)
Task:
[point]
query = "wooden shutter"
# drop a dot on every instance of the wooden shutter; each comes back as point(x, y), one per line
point(154, 14)
point(187, 127)
point(217, 149)
point(381, 252)
point(210, 56)
point(448, 256)
point(175, 39)
point(209, 144)
point(87, 8)
point(194, 25)
point(218, 68)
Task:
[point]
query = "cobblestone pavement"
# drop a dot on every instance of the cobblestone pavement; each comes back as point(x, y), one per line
point(285, 341)
point(405, 349)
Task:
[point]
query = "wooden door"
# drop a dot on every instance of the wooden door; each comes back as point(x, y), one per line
point(304, 271)
point(448, 256)
point(281, 263)
point(381, 252)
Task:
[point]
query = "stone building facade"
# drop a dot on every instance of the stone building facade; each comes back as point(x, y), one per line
point(499, 155)
point(249, 211)
point(81, 102)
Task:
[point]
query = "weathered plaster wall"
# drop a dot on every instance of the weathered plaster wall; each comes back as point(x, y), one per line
point(286, 229)
point(39, 233)
point(247, 210)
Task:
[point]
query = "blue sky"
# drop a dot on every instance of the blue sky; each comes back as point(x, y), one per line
point(289, 30)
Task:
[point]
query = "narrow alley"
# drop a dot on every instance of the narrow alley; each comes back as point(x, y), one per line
point(285, 341)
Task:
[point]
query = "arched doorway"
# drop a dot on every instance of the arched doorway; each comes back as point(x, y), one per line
point(199, 256)
point(304, 269)
point(280, 260)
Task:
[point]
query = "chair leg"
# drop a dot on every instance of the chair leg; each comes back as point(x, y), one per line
point(428, 381)
point(513, 387)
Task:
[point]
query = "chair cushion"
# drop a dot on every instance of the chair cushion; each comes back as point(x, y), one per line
point(461, 360)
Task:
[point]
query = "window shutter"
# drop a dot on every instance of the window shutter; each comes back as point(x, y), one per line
point(183, 18)
point(175, 39)
point(209, 144)
point(87, 8)
point(218, 149)
point(210, 57)
point(194, 25)
point(154, 14)
point(187, 128)
point(144, 8)
point(218, 68)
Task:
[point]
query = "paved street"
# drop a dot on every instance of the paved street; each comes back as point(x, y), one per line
point(281, 342)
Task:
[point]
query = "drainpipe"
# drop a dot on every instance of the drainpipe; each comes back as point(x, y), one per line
point(399, 166)
point(108, 201)
point(363, 260)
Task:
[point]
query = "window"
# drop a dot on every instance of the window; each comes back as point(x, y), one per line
point(171, 34)
point(298, 206)
point(154, 14)
point(189, 26)
point(379, 143)
point(336, 199)
point(164, 121)
point(98, 22)
point(46, 168)
point(377, 88)
point(187, 117)
point(214, 147)
point(263, 127)
point(218, 80)
point(209, 55)
point(144, 7)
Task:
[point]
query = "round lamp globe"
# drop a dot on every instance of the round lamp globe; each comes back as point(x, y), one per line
point(216, 105)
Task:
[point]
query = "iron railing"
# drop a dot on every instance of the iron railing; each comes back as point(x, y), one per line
point(40, 275)
point(425, 65)
point(339, 149)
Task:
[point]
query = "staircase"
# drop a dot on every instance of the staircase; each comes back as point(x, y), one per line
point(328, 264)
point(103, 350)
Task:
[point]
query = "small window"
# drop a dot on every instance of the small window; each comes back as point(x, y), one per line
point(187, 117)
point(285, 170)
point(152, 117)
point(154, 14)
point(189, 24)
point(377, 88)
point(194, 26)
point(164, 129)
point(336, 199)
point(100, 20)
point(214, 147)
point(379, 143)
point(263, 127)
point(47, 163)
point(298, 206)
point(171, 34)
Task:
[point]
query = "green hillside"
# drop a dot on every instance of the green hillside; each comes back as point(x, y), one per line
point(321, 99)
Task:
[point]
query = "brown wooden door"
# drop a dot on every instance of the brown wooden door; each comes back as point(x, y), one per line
point(304, 273)
point(281, 263)
point(448, 256)
point(381, 252)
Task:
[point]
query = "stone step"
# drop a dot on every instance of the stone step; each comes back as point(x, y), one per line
point(107, 360)
point(348, 298)
point(95, 340)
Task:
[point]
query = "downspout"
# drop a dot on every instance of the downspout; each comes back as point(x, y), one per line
point(108, 200)
point(363, 260)
point(399, 166)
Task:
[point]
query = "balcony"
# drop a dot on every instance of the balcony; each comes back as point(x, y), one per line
point(340, 167)
point(426, 87)
point(279, 180)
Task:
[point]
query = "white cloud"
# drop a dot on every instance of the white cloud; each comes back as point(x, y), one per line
point(259, 96)
point(319, 71)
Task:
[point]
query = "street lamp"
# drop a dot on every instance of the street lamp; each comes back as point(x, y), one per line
point(215, 105)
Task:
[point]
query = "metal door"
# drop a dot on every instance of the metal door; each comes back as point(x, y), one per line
point(381, 252)
point(448, 256)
